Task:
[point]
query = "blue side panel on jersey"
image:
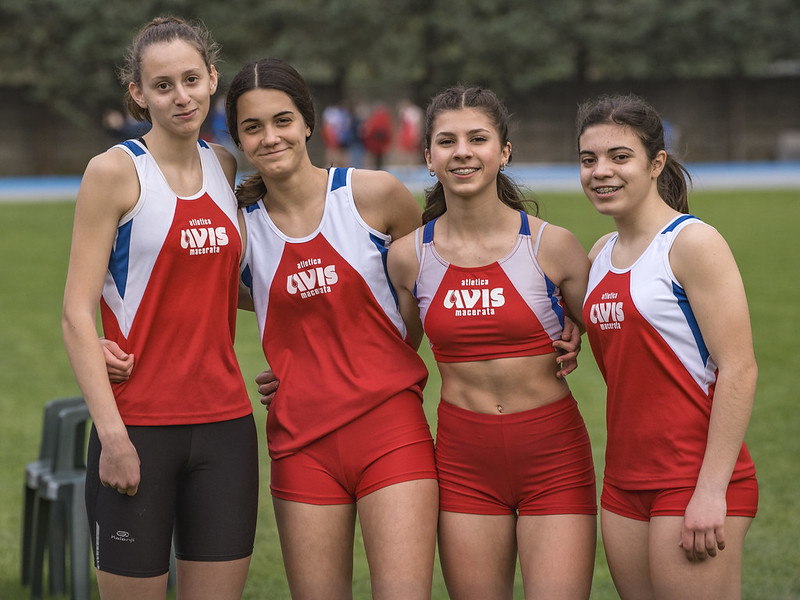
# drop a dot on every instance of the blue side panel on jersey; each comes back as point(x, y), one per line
point(133, 147)
point(427, 233)
point(339, 178)
point(551, 293)
point(120, 255)
point(683, 302)
point(677, 222)
point(384, 251)
point(525, 227)
point(247, 279)
point(252, 207)
point(203, 143)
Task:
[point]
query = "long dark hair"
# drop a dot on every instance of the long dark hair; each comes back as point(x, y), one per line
point(483, 99)
point(636, 113)
point(160, 30)
point(266, 74)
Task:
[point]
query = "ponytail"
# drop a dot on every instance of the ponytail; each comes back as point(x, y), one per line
point(673, 185)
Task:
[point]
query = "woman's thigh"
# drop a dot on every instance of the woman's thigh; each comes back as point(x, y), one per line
point(556, 555)
point(398, 523)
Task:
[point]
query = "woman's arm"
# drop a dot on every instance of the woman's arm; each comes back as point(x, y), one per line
point(386, 205)
point(704, 266)
point(565, 263)
point(108, 190)
point(402, 266)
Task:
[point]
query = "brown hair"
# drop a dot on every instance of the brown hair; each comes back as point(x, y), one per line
point(636, 113)
point(265, 74)
point(485, 100)
point(160, 30)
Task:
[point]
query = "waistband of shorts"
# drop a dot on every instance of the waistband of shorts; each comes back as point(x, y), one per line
point(565, 404)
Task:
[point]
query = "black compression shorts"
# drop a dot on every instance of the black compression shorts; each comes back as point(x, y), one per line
point(199, 480)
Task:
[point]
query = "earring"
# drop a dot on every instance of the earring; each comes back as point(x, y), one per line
point(502, 168)
point(432, 174)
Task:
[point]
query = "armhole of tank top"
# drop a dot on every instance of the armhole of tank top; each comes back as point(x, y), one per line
point(241, 224)
point(140, 176)
point(351, 198)
point(538, 239)
point(673, 238)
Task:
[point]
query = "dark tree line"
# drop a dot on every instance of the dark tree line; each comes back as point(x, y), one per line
point(65, 52)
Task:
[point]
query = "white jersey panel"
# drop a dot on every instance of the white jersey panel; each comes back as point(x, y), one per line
point(661, 301)
point(342, 227)
point(142, 232)
point(517, 267)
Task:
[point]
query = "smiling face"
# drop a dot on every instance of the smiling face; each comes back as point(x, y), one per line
point(466, 151)
point(272, 132)
point(176, 86)
point(615, 171)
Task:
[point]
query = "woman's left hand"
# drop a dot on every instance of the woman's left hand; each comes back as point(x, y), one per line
point(703, 531)
point(568, 348)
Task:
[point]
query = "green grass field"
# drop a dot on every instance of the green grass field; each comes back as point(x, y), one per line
point(760, 227)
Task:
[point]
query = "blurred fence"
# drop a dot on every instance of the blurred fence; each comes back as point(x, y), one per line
point(534, 177)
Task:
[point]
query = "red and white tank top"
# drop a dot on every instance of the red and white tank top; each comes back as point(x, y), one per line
point(330, 326)
point(170, 298)
point(504, 309)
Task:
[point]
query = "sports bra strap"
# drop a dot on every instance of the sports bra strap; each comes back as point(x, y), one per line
point(538, 239)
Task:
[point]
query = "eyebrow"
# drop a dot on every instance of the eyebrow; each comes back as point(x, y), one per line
point(190, 71)
point(470, 132)
point(610, 150)
point(277, 114)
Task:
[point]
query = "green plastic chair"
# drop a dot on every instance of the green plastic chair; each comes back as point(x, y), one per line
point(59, 514)
point(33, 474)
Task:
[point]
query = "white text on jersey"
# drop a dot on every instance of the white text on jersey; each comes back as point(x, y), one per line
point(608, 314)
point(312, 282)
point(203, 240)
point(483, 301)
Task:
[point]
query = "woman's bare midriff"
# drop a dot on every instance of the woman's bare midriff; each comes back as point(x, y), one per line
point(503, 385)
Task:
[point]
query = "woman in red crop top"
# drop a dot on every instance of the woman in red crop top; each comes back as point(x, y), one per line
point(493, 284)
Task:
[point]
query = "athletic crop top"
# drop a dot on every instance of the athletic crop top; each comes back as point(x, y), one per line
point(330, 326)
point(170, 298)
point(658, 371)
point(503, 309)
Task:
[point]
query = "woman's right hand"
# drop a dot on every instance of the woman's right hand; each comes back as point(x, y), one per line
point(119, 467)
point(119, 363)
point(267, 386)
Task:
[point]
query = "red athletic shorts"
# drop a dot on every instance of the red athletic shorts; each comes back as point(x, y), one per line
point(536, 462)
point(642, 505)
point(390, 444)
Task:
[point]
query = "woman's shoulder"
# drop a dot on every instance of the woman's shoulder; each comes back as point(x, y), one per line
point(375, 183)
point(697, 242)
point(112, 164)
point(226, 160)
point(110, 179)
point(384, 202)
point(551, 235)
point(599, 245)
point(405, 246)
